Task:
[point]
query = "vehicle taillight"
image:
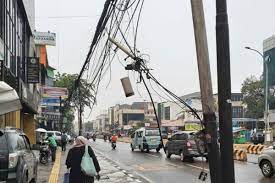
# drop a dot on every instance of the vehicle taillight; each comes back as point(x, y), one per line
point(13, 158)
point(189, 145)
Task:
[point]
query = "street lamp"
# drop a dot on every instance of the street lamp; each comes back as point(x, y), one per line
point(266, 60)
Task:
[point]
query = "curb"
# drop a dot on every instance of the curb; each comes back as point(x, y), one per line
point(56, 168)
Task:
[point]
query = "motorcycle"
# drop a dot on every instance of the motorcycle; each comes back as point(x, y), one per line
point(114, 145)
point(44, 154)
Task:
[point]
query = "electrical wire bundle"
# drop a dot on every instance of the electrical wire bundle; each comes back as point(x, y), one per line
point(116, 21)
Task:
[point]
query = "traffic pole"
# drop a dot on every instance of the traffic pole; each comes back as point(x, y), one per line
point(224, 93)
point(207, 99)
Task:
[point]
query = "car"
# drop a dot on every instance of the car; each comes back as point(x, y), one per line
point(266, 162)
point(186, 144)
point(18, 162)
point(56, 135)
point(146, 139)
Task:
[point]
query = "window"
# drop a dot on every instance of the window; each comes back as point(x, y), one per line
point(27, 142)
point(175, 137)
point(167, 113)
point(183, 136)
point(139, 134)
point(21, 143)
point(151, 133)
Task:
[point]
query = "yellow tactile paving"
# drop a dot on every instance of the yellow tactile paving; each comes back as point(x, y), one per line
point(56, 167)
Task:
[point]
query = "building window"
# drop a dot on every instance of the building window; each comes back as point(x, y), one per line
point(237, 112)
point(167, 113)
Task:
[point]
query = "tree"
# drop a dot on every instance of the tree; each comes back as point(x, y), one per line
point(81, 96)
point(253, 97)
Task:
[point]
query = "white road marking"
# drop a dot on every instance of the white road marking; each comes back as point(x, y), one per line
point(197, 167)
point(153, 155)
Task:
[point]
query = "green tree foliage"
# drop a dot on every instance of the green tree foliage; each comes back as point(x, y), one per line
point(86, 96)
point(82, 95)
point(253, 97)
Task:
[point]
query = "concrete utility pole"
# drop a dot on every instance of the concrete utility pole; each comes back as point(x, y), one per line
point(224, 91)
point(206, 89)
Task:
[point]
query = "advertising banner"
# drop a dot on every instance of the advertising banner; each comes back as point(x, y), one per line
point(269, 54)
point(44, 38)
point(33, 70)
point(54, 92)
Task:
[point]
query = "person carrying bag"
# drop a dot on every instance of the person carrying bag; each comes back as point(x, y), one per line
point(82, 162)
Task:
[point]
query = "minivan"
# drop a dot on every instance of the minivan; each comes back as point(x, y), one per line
point(146, 139)
point(18, 162)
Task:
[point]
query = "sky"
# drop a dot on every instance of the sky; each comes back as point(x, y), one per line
point(166, 34)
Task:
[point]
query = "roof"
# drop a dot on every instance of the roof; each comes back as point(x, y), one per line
point(191, 95)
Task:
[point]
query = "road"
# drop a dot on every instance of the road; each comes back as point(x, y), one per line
point(155, 168)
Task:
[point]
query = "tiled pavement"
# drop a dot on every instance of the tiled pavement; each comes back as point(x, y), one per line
point(110, 171)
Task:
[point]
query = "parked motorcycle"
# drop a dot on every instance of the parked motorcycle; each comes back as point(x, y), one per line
point(114, 145)
point(44, 154)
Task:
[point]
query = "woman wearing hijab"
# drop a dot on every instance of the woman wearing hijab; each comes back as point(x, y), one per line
point(74, 161)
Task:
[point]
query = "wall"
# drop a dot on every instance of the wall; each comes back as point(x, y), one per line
point(29, 127)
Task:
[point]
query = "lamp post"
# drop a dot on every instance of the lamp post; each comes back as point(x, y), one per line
point(266, 60)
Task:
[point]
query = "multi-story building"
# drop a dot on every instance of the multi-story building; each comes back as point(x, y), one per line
point(177, 115)
point(20, 66)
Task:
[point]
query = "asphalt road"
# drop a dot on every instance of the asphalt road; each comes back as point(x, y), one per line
point(155, 168)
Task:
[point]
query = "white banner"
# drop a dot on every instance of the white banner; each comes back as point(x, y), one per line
point(44, 38)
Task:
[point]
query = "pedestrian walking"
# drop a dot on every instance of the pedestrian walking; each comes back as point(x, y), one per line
point(63, 141)
point(74, 161)
point(53, 146)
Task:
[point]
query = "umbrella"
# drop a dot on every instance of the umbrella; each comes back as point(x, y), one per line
point(9, 100)
point(41, 130)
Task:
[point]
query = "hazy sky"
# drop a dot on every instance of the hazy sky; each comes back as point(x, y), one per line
point(166, 34)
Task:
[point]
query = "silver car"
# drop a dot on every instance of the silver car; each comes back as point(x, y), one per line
point(267, 162)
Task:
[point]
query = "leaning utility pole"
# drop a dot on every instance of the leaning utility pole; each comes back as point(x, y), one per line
point(224, 91)
point(206, 90)
point(80, 113)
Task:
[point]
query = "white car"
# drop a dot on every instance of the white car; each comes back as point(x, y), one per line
point(56, 135)
point(267, 162)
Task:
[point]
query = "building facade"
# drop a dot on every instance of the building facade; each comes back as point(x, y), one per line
point(17, 57)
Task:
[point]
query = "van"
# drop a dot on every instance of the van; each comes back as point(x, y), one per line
point(146, 139)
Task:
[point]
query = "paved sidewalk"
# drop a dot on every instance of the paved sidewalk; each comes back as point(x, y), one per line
point(44, 171)
point(110, 172)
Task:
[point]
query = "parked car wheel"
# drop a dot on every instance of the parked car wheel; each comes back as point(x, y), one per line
point(267, 168)
point(168, 155)
point(157, 149)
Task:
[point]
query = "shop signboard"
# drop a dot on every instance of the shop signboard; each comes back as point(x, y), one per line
point(54, 92)
point(44, 38)
point(33, 70)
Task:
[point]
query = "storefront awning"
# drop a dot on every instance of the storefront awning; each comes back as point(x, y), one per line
point(9, 100)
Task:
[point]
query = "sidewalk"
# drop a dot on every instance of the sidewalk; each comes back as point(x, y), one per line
point(110, 172)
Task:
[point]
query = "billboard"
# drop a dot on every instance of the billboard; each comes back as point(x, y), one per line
point(269, 51)
point(54, 92)
point(44, 38)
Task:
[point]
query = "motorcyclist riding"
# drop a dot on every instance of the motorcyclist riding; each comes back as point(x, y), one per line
point(113, 141)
